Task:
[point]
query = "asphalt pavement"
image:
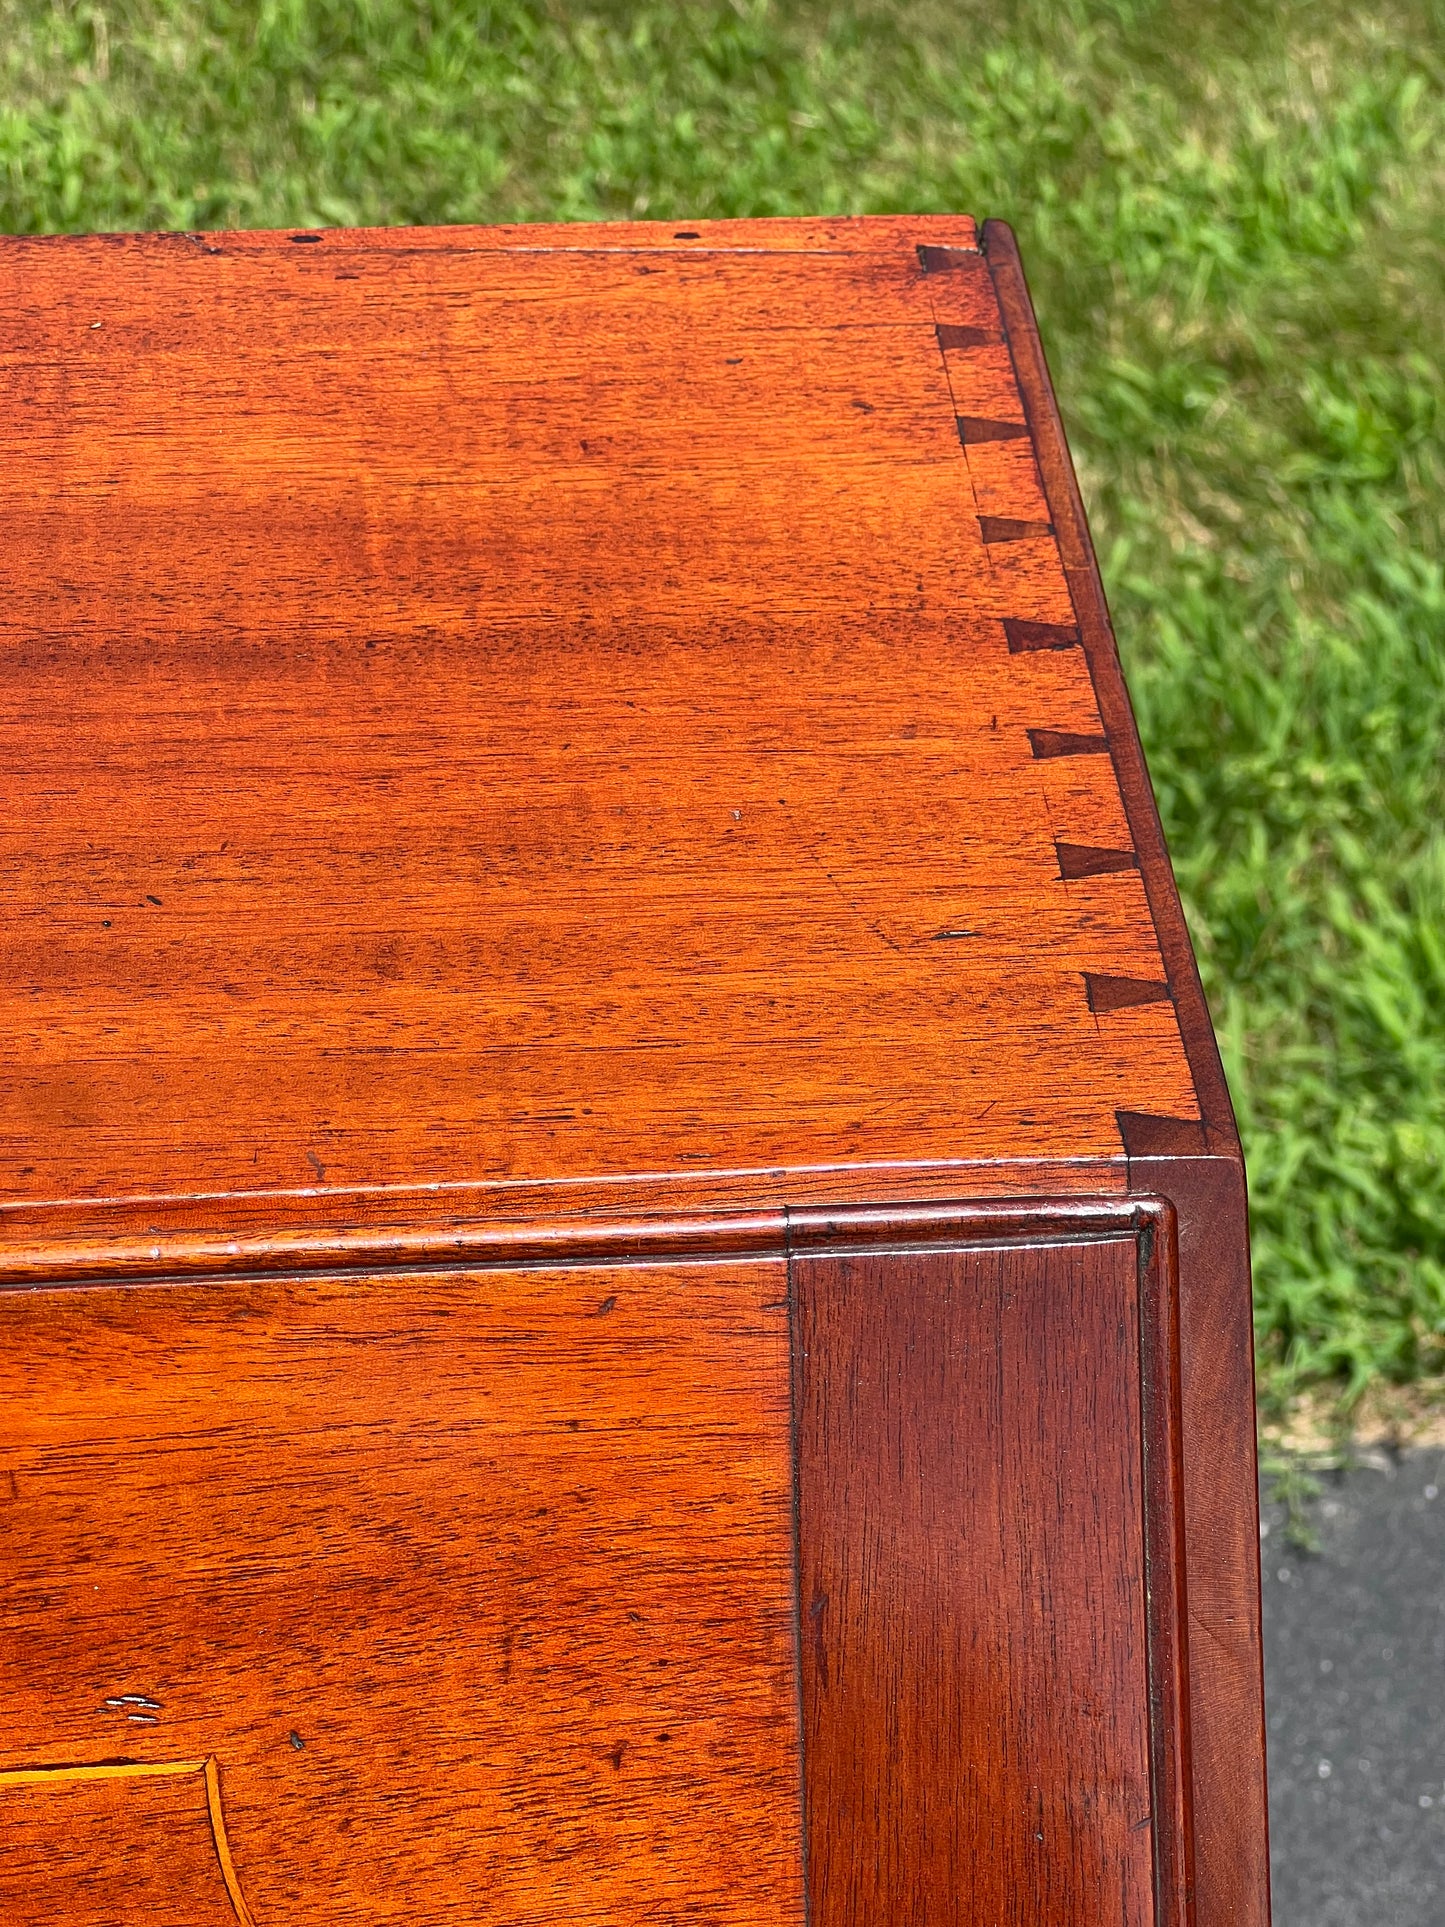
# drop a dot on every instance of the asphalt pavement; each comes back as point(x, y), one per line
point(1354, 1636)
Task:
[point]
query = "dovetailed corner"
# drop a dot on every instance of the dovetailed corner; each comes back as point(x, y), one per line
point(1082, 860)
point(980, 428)
point(1124, 993)
point(1046, 743)
point(1024, 637)
point(1009, 528)
point(1145, 1136)
point(952, 335)
point(949, 260)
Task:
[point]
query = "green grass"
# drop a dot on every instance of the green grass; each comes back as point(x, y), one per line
point(1234, 220)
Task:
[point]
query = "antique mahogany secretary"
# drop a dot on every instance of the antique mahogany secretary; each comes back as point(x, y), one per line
point(625, 1292)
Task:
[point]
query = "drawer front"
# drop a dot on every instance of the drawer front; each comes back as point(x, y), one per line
point(412, 1598)
point(823, 1566)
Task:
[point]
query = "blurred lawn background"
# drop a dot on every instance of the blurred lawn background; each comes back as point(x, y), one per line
point(1233, 217)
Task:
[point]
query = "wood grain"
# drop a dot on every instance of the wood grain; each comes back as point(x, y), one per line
point(1221, 1518)
point(982, 1546)
point(479, 1588)
point(551, 769)
point(102, 1846)
point(535, 709)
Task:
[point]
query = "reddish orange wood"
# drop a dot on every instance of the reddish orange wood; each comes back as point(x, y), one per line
point(421, 661)
point(103, 1846)
point(540, 754)
point(478, 1587)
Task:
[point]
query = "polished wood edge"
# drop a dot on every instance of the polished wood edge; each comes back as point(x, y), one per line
point(1221, 1532)
point(1167, 1616)
point(974, 1222)
point(775, 1232)
point(398, 1249)
point(249, 1230)
point(846, 233)
point(1061, 491)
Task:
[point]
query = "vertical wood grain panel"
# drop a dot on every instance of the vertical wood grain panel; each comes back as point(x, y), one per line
point(973, 1589)
point(1221, 1512)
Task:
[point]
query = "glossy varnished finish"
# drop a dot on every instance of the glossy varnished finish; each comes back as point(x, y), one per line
point(572, 811)
point(102, 1846)
point(540, 712)
point(977, 1660)
point(477, 1587)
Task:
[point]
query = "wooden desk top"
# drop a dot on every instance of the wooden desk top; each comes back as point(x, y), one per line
point(543, 707)
point(593, 992)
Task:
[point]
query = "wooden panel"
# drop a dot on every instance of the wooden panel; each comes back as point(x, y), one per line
point(982, 1544)
point(517, 708)
point(429, 1597)
point(511, 723)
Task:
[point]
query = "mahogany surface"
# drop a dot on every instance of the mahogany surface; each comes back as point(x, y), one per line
point(563, 768)
point(977, 1667)
point(540, 712)
point(478, 1587)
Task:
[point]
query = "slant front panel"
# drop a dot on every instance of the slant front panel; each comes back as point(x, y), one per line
point(429, 1599)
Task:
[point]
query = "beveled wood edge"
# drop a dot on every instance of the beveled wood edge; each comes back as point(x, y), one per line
point(777, 1231)
point(1152, 1224)
point(776, 234)
point(260, 1230)
point(1086, 587)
